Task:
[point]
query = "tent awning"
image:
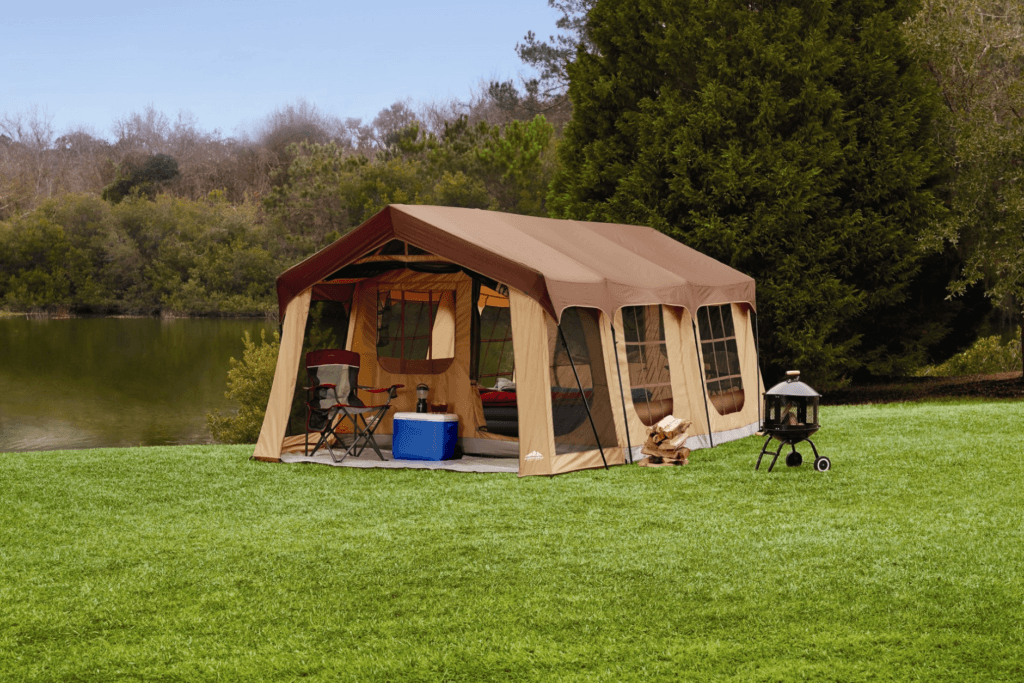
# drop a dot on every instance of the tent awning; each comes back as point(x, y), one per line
point(559, 263)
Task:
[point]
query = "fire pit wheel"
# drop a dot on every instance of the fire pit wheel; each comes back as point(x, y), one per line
point(822, 464)
point(794, 459)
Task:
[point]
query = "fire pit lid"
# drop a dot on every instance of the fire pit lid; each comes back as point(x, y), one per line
point(792, 387)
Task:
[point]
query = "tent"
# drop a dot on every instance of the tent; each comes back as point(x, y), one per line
point(558, 342)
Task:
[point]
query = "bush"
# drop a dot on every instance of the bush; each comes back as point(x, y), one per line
point(249, 383)
point(987, 356)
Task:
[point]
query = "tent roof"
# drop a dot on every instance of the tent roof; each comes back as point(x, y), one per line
point(560, 263)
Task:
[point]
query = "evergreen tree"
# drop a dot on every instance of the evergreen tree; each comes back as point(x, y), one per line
point(789, 139)
point(974, 51)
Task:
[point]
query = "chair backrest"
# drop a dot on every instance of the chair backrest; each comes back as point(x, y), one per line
point(333, 366)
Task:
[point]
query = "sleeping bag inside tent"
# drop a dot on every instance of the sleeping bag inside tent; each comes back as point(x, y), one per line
point(558, 342)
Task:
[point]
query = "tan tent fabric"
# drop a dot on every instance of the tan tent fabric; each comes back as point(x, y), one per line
point(442, 342)
point(558, 263)
point(681, 356)
point(750, 375)
point(533, 393)
point(275, 420)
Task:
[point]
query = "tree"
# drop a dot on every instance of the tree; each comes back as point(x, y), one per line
point(329, 192)
point(249, 384)
point(974, 51)
point(552, 58)
point(788, 139)
point(145, 178)
point(516, 165)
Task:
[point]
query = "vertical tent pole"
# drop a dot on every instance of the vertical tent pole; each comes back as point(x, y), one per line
point(474, 333)
point(757, 355)
point(586, 404)
point(622, 394)
point(703, 384)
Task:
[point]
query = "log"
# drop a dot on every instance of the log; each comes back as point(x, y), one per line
point(671, 426)
point(675, 443)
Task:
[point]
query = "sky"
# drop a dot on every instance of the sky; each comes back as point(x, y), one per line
point(230, 64)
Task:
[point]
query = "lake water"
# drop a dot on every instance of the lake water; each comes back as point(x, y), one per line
point(96, 382)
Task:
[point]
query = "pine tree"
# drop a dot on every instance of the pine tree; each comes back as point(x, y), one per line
point(789, 139)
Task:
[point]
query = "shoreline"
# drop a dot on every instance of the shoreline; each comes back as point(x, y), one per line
point(43, 315)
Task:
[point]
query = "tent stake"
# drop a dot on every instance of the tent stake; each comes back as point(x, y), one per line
point(704, 385)
point(586, 404)
point(622, 394)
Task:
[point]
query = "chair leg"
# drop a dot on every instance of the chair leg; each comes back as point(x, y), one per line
point(363, 436)
point(369, 430)
point(326, 432)
point(322, 441)
point(351, 450)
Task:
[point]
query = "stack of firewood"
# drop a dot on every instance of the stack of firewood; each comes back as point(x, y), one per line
point(665, 446)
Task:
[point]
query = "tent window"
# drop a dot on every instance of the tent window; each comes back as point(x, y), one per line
point(415, 331)
point(721, 358)
point(647, 357)
point(399, 248)
point(496, 359)
point(581, 350)
point(393, 248)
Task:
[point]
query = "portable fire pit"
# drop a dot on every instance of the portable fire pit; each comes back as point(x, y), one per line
point(790, 417)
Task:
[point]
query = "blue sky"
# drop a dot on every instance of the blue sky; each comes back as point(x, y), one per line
point(232, 63)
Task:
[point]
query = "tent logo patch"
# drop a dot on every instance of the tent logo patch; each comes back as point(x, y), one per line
point(534, 455)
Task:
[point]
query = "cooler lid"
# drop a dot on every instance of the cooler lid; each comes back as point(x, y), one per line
point(428, 417)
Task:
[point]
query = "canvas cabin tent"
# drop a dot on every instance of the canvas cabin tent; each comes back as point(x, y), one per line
point(560, 342)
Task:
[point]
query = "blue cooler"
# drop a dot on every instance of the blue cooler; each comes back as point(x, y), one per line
point(424, 436)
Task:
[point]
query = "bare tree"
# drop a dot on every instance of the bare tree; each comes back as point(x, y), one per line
point(85, 160)
point(27, 171)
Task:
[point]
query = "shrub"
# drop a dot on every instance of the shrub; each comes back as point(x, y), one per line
point(987, 356)
point(249, 382)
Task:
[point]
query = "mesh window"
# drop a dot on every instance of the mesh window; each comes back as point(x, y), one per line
point(721, 358)
point(415, 331)
point(644, 328)
point(326, 328)
point(582, 348)
point(496, 359)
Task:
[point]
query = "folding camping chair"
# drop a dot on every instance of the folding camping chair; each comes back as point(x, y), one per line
point(331, 398)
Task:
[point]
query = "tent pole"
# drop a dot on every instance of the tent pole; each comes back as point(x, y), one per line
point(757, 355)
point(474, 333)
point(703, 384)
point(622, 394)
point(586, 403)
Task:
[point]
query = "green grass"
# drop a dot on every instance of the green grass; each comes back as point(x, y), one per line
point(905, 562)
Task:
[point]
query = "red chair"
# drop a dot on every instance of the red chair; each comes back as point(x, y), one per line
point(332, 375)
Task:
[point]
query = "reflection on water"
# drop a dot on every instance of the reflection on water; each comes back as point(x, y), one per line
point(92, 382)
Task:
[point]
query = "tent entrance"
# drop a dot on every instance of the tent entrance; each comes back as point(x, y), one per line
point(580, 400)
point(327, 327)
point(495, 364)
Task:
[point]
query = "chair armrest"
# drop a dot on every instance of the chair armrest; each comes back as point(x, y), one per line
point(392, 390)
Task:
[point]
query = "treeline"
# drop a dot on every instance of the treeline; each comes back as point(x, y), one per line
point(38, 163)
point(82, 254)
point(861, 160)
point(171, 219)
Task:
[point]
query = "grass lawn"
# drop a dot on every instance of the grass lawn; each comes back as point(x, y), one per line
point(905, 562)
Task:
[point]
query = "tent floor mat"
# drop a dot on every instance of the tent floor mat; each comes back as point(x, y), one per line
point(369, 459)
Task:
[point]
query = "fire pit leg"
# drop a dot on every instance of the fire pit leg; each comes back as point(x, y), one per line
point(764, 449)
point(777, 451)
